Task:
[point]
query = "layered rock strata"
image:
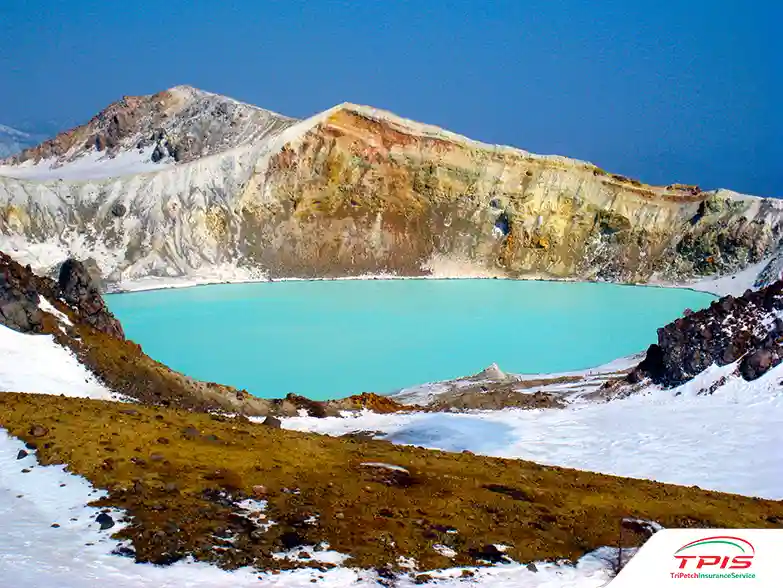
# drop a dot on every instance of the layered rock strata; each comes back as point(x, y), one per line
point(238, 192)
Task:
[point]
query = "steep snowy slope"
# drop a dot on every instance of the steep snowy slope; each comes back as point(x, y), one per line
point(192, 185)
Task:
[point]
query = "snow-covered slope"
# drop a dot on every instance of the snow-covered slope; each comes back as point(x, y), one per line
point(727, 440)
point(36, 364)
point(13, 141)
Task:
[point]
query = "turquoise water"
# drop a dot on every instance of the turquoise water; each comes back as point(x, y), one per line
point(329, 339)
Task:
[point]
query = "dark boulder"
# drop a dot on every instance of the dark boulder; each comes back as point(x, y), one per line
point(271, 421)
point(118, 209)
point(746, 328)
point(159, 153)
point(756, 364)
point(18, 303)
point(80, 289)
point(105, 521)
point(38, 431)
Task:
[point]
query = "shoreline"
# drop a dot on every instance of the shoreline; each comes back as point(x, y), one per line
point(423, 386)
point(176, 283)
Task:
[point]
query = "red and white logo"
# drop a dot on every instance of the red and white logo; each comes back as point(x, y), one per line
point(720, 552)
point(674, 558)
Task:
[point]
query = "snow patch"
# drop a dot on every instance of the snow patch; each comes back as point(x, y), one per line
point(385, 466)
point(320, 553)
point(444, 550)
point(738, 429)
point(38, 365)
point(47, 306)
point(92, 166)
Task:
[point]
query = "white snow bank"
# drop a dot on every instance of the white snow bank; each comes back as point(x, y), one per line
point(37, 364)
point(320, 553)
point(592, 378)
point(728, 441)
point(47, 306)
point(77, 554)
point(733, 284)
point(226, 273)
point(94, 165)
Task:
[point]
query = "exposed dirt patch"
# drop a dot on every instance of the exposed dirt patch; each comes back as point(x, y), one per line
point(180, 474)
point(494, 396)
point(369, 401)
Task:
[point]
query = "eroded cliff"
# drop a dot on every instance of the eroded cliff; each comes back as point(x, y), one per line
point(355, 190)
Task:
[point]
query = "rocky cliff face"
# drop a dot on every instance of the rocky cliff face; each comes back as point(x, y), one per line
point(354, 190)
point(747, 330)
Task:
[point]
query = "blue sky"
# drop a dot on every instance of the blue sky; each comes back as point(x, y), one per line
point(673, 90)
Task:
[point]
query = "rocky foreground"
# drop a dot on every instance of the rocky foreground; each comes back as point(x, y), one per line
point(236, 493)
point(191, 185)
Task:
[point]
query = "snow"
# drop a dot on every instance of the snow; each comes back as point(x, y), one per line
point(384, 466)
point(47, 306)
point(94, 165)
point(78, 554)
point(727, 441)
point(218, 274)
point(734, 284)
point(444, 550)
point(37, 364)
point(320, 553)
point(424, 394)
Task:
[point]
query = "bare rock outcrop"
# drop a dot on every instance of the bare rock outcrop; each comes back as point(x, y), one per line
point(80, 289)
point(19, 305)
point(748, 329)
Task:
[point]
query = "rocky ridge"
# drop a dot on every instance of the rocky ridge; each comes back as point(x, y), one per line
point(354, 191)
point(72, 311)
point(181, 124)
point(747, 330)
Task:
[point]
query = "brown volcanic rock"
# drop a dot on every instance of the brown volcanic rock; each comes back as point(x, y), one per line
point(368, 401)
point(18, 306)
point(79, 289)
point(746, 328)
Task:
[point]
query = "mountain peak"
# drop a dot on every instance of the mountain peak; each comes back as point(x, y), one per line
point(172, 126)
